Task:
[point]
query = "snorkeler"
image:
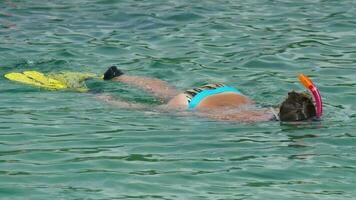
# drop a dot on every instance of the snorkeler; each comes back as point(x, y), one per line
point(219, 101)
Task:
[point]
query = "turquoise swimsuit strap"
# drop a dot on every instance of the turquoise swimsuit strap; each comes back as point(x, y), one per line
point(200, 96)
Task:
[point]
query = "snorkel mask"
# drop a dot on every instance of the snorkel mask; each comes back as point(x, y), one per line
point(316, 94)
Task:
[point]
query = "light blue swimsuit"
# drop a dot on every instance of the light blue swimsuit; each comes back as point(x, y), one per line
point(196, 95)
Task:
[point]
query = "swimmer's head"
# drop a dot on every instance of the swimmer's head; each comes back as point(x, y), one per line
point(297, 107)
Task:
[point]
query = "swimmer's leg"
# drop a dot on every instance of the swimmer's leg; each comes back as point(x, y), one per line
point(118, 102)
point(158, 88)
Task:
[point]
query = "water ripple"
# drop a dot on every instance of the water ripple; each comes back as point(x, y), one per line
point(65, 145)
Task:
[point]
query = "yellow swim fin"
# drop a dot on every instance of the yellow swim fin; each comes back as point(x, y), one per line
point(73, 80)
point(20, 77)
point(63, 80)
point(36, 79)
point(46, 81)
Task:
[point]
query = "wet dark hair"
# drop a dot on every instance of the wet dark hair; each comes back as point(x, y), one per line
point(297, 107)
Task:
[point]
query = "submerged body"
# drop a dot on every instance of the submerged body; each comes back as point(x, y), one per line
point(216, 101)
point(220, 103)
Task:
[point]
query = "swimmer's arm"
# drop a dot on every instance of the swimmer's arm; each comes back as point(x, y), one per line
point(243, 116)
point(119, 103)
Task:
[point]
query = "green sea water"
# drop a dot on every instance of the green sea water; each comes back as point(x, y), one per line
point(69, 145)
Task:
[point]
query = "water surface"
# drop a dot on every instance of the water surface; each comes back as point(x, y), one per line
point(68, 145)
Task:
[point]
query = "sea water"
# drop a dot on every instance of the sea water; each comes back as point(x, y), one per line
point(69, 145)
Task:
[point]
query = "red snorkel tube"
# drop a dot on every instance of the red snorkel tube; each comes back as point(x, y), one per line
point(314, 90)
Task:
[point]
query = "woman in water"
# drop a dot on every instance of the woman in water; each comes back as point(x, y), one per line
point(216, 101)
